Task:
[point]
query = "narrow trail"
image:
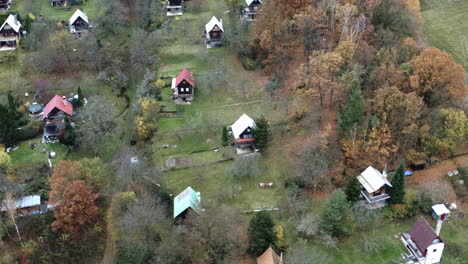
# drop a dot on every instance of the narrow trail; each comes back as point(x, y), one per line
point(236, 104)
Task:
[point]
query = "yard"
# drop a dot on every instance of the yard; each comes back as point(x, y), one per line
point(57, 13)
point(446, 27)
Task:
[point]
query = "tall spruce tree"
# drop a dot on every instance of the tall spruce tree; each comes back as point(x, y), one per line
point(353, 190)
point(224, 136)
point(336, 215)
point(8, 125)
point(353, 112)
point(80, 101)
point(262, 133)
point(397, 192)
point(261, 233)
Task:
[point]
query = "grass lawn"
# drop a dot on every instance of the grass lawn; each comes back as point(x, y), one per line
point(446, 28)
point(43, 7)
point(26, 155)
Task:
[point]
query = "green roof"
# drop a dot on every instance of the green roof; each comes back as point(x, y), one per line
point(186, 199)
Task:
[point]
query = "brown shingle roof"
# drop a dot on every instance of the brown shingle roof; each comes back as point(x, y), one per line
point(268, 257)
point(422, 234)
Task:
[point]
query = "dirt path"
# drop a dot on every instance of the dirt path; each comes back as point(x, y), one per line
point(236, 104)
point(434, 177)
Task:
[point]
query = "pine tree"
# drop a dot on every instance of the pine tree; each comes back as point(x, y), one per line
point(261, 233)
point(9, 124)
point(224, 137)
point(352, 113)
point(353, 190)
point(80, 101)
point(336, 215)
point(262, 133)
point(397, 192)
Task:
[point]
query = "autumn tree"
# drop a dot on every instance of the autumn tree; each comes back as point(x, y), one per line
point(450, 133)
point(147, 121)
point(397, 192)
point(75, 205)
point(216, 236)
point(312, 168)
point(435, 73)
point(261, 233)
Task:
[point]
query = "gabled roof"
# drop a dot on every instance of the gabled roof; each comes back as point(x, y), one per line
point(27, 201)
point(372, 180)
point(188, 198)
point(78, 13)
point(422, 234)
point(213, 22)
point(13, 22)
point(268, 257)
point(58, 102)
point(185, 75)
point(249, 2)
point(241, 125)
point(440, 209)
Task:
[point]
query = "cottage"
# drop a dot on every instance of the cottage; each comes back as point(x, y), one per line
point(250, 12)
point(183, 87)
point(214, 32)
point(27, 205)
point(242, 131)
point(61, 2)
point(423, 243)
point(187, 200)
point(175, 7)
point(5, 4)
point(374, 186)
point(79, 24)
point(54, 113)
point(10, 33)
point(270, 257)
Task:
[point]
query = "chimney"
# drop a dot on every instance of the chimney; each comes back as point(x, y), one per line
point(438, 227)
point(281, 257)
point(65, 102)
point(384, 172)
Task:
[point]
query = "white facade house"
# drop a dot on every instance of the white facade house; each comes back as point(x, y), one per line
point(10, 33)
point(423, 243)
point(374, 186)
point(242, 131)
point(79, 23)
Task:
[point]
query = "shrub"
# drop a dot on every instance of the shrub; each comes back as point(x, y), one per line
point(248, 63)
point(5, 160)
point(31, 130)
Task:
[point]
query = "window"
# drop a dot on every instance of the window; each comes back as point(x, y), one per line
point(434, 250)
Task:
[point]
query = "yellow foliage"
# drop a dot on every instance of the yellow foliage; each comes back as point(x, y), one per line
point(5, 160)
point(346, 50)
point(160, 84)
point(146, 123)
point(414, 6)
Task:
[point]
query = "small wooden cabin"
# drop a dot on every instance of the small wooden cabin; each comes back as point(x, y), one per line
point(250, 12)
point(5, 4)
point(183, 87)
point(79, 24)
point(214, 32)
point(175, 7)
point(242, 131)
point(61, 2)
point(374, 186)
point(10, 33)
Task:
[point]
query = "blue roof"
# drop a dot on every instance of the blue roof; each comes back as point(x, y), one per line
point(188, 198)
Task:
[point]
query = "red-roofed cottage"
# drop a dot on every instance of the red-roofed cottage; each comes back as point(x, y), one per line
point(183, 87)
point(54, 112)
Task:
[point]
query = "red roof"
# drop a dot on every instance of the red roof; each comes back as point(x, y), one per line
point(422, 234)
point(57, 102)
point(244, 140)
point(185, 75)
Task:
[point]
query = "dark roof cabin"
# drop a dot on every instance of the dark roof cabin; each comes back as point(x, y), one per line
point(175, 7)
point(423, 242)
point(183, 87)
point(5, 4)
point(250, 11)
point(61, 2)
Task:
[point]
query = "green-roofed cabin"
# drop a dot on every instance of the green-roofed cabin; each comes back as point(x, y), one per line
point(187, 200)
